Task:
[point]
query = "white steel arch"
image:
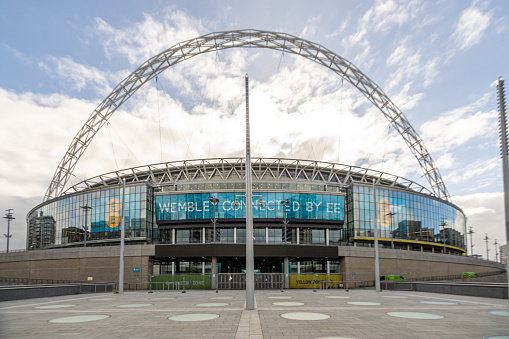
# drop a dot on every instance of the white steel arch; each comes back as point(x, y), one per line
point(251, 39)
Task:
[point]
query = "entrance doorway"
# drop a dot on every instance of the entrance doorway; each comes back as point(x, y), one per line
point(237, 281)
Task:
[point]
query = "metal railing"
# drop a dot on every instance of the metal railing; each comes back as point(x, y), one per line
point(27, 281)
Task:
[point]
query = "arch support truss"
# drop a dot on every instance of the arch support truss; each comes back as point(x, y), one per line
point(247, 39)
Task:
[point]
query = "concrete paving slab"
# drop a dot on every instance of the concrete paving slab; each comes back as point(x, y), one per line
point(369, 316)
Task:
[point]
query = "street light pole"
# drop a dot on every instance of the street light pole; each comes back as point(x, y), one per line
point(214, 202)
point(122, 236)
point(487, 249)
point(471, 231)
point(377, 256)
point(85, 210)
point(443, 224)
point(9, 217)
point(392, 231)
point(285, 204)
point(496, 250)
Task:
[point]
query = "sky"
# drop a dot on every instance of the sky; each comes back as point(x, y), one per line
point(438, 61)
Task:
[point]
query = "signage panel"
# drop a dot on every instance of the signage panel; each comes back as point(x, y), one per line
point(233, 205)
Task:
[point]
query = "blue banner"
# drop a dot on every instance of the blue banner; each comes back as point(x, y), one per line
point(265, 205)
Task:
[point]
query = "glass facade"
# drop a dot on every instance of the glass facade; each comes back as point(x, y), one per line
point(402, 215)
point(315, 218)
point(102, 219)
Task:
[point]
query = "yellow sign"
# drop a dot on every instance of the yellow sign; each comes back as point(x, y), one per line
point(113, 217)
point(314, 281)
point(384, 210)
point(306, 280)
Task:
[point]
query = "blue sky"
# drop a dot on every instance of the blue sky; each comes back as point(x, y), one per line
point(437, 60)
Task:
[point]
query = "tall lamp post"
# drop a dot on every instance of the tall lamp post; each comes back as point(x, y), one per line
point(9, 217)
point(377, 256)
point(286, 204)
point(392, 231)
point(487, 249)
point(443, 224)
point(471, 231)
point(496, 250)
point(214, 202)
point(85, 209)
point(122, 243)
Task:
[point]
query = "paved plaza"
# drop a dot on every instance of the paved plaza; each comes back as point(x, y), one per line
point(288, 314)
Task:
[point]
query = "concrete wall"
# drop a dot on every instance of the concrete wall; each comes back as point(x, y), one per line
point(101, 263)
point(485, 290)
point(78, 264)
point(358, 263)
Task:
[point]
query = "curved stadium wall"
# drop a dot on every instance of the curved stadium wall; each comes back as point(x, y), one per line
point(322, 204)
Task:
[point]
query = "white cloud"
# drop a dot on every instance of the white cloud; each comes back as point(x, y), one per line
point(310, 29)
point(19, 54)
point(142, 40)
point(380, 19)
point(339, 30)
point(406, 101)
point(485, 214)
point(77, 76)
point(470, 28)
point(406, 60)
point(473, 172)
point(462, 125)
point(42, 126)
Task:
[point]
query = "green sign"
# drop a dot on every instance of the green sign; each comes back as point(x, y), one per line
point(136, 269)
point(186, 281)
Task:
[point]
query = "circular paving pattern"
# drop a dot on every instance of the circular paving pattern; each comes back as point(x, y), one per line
point(79, 319)
point(53, 306)
point(212, 304)
point(305, 316)
point(363, 303)
point(163, 298)
point(415, 315)
point(394, 296)
point(194, 317)
point(497, 337)
point(336, 297)
point(134, 305)
point(438, 303)
point(288, 303)
point(504, 313)
point(222, 298)
point(280, 297)
point(103, 299)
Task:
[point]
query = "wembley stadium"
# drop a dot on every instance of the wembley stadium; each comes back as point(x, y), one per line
point(189, 216)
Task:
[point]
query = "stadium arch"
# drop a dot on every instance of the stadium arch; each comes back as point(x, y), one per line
point(249, 38)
